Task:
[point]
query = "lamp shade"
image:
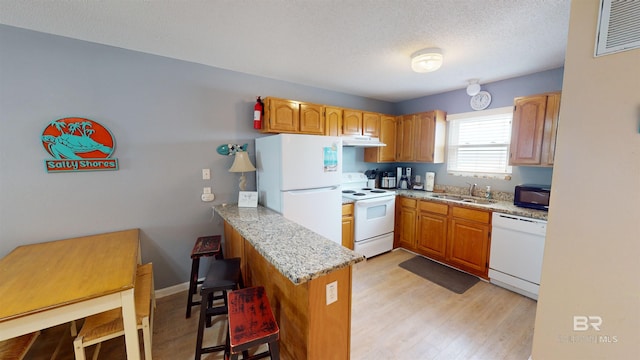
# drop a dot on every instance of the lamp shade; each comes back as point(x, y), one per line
point(241, 163)
point(426, 60)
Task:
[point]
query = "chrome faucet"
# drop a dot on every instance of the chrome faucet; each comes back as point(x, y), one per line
point(472, 188)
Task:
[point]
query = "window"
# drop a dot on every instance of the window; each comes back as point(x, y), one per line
point(478, 143)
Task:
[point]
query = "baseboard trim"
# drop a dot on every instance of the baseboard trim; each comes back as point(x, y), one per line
point(160, 293)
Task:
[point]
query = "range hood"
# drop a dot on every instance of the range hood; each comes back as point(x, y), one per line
point(361, 141)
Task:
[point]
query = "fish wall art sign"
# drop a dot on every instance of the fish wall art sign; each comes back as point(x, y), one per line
point(78, 144)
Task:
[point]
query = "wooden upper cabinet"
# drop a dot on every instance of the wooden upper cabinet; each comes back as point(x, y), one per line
point(371, 124)
point(387, 136)
point(311, 119)
point(332, 121)
point(288, 116)
point(351, 122)
point(534, 128)
point(550, 129)
point(430, 140)
point(356, 122)
point(405, 143)
point(281, 115)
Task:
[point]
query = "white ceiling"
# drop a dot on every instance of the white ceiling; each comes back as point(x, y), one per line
point(360, 47)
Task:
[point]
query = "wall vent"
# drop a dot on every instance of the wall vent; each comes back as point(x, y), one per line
point(618, 26)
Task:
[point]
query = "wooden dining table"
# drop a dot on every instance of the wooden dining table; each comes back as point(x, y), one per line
point(52, 283)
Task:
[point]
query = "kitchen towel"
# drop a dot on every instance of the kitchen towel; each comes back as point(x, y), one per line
point(448, 278)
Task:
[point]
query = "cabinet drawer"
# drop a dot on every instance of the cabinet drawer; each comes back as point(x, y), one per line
point(470, 214)
point(347, 209)
point(407, 202)
point(434, 207)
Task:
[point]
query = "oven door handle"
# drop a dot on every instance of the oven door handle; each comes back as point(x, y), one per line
point(375, 202)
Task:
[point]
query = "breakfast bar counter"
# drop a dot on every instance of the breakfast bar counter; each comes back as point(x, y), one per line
point(297, 252)
point(306, 276)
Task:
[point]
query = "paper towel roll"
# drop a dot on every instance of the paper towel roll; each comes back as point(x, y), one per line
point(429, 181)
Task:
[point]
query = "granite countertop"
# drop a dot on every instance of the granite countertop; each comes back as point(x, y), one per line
point(297, 252)
point(498, 206)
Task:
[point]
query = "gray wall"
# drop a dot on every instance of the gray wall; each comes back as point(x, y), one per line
point(168, 117)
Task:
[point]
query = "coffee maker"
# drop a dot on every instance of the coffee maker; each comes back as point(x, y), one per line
point(405, 179)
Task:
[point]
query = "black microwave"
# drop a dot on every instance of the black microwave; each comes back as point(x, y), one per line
point(532, 196)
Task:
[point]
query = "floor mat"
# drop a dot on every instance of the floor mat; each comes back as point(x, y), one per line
point(449, 278)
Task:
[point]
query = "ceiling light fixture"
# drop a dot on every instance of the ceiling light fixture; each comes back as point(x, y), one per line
point(473, 88)
point(426, 60)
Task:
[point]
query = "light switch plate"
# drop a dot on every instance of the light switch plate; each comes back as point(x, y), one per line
point(206, 174)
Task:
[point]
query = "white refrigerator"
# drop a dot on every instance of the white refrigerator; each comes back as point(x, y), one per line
point(299, 176)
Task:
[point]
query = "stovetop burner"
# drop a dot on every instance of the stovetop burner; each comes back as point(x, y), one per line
point(355, 187)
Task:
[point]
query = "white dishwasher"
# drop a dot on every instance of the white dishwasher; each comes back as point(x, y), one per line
point(517, 246)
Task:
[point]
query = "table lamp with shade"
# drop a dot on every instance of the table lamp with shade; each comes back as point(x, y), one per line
point(242, 164)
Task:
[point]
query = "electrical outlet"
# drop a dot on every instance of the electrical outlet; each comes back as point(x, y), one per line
point(206, 174)
point(332, 292)
point(206, 190)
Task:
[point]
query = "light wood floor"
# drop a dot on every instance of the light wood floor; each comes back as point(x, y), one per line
point(395, 315)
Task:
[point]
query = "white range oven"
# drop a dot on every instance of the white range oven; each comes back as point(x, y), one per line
point(374, 214)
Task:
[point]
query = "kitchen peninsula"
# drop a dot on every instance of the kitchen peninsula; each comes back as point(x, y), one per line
point(296, 266)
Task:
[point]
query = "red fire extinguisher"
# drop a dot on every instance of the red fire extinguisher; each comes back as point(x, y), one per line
point(257, 114)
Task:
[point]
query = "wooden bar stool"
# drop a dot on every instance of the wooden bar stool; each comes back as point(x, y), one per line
point(223, 275)
point(251, 323)
point(204, 246)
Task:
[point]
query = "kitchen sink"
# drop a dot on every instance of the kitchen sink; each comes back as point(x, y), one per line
point(466, 199)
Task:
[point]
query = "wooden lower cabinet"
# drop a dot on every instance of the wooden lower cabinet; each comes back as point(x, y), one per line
point(454, 235)
point(309, 328)
point(405, 227)
point(347, 226)
point(432, 229)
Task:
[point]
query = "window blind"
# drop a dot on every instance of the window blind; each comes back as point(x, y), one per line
point(478, 143)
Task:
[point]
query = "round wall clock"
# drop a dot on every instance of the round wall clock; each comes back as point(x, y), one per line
point(480, 101)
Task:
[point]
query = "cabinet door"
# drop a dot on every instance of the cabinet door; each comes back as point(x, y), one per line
point(387, 136)
point(425, 141)
point(351, 122)
point(432, 235)
point(469, 246)
point(347, 226)
point(311, 119)
point(405, 138)
point(550, 129)
point(430, 136)
point(371, 124)
point(283, 116)
point(406, 217)
point(528, 130)
point(332, 121)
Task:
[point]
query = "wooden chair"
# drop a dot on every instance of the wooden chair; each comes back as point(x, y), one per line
point(16, 348)
point(108, 325)
point(251, 324)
